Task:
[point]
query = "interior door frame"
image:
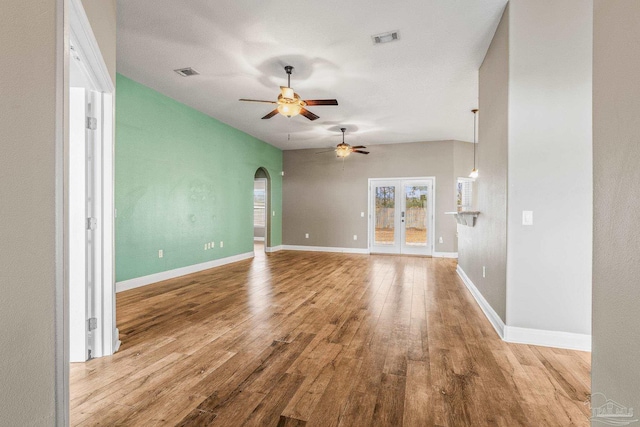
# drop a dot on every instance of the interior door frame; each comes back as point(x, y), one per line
point(432, 220)
point(83, 44)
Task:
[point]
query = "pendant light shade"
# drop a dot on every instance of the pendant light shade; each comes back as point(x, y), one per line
point(474, 171)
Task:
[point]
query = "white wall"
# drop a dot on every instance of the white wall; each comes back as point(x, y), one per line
point(550, 165)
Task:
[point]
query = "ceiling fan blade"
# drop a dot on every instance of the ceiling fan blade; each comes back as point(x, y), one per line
point(358, 147)
point(271, 114)
point(322, 102)
point(360, 151)
point(257, 100)
point(308, 114)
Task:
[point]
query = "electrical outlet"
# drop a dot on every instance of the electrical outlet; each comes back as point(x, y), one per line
point(484, 271)
point(527, 217)
point(273, 213)
point(221, 244)
point(160, 253)
point(440, 240)
point(361, 214)
point(306, 235)
point(355, 237)
point(213, 245)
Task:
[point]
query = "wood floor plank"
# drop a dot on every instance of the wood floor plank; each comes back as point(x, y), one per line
point(322, 339)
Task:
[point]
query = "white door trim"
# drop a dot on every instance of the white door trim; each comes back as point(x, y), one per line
point(85, 46)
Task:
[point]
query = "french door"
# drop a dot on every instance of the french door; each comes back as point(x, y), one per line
point(401, 216)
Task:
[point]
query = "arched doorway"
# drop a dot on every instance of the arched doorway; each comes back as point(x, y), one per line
point(261, 208)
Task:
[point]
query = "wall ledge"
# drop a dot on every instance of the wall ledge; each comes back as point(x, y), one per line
point(517, 335)
point(326, 249)
point(137, 282)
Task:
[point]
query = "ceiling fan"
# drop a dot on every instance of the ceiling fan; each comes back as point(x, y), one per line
point(290, 104)
point(343, 149)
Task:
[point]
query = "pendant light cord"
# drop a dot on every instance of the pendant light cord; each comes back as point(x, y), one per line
point(474, 138)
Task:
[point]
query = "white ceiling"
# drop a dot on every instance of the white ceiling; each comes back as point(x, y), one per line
point(420, 88)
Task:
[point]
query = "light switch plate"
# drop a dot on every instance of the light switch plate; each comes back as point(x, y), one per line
point(527, 217)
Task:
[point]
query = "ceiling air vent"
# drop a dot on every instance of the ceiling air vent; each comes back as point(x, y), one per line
point(390, 36)
point(186, 72)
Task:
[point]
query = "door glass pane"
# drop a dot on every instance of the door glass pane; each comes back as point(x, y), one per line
point(385, 215)
point(416, 215)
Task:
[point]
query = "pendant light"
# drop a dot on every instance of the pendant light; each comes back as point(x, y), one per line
point(474, 172)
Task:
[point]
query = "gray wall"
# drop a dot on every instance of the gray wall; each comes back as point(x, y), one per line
point(535, 154)
point(102, 16)
point(324, 197)
point(616, 243)
point(486, 243)
point(550, 165)
point(29, 126)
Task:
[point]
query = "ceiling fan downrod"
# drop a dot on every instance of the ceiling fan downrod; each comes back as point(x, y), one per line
point(288, 69)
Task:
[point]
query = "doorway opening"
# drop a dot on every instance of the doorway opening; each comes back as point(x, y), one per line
point(261, 217)
point(401, 216)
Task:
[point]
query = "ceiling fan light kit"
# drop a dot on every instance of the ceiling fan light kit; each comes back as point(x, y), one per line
point(474, 171)
point(343, 150)
point(290, 104)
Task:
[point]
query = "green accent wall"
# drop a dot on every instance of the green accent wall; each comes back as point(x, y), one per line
point(183, 179)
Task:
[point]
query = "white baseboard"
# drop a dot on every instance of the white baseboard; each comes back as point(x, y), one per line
point(489, 312)
point(445, 255)
point(517, 335)
point(326, 249)
point(182, 271)
point(116, 340)
point(258, 239)
point(567, 340)
point(273, 249)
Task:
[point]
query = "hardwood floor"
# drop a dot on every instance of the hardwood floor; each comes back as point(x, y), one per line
point(319, 339)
